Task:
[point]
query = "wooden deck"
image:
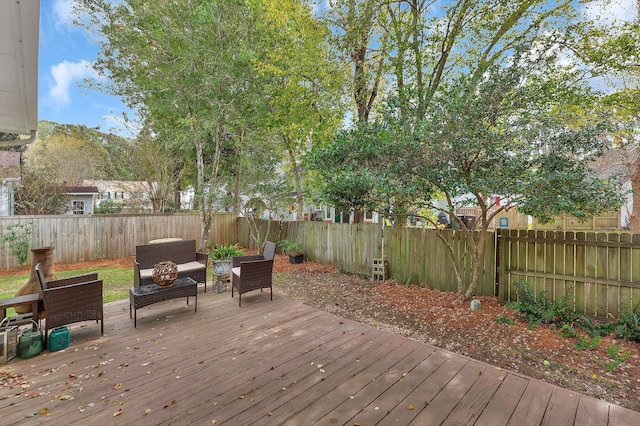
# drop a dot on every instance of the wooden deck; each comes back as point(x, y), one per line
point(272, 363)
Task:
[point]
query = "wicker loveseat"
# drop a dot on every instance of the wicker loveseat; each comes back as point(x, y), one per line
point(253, 272)
point(183, 253)
point(71, 300)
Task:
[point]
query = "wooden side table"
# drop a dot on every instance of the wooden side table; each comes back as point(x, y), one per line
point(220, 282)
point(25, 300)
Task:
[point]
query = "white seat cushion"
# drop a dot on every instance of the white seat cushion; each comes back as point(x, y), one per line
point(184, 267)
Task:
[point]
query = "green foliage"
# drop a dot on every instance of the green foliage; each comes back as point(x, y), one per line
point(582, 342)
point(587, 343)
point(109, 207)
point(70, 153)
point(504, 320)
point(290, 247)
point(628, 325)
point(16, 239)
point(224, 252)
point(616, 358)
point(541, 309)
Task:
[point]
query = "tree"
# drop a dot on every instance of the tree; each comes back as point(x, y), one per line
point(68, 154)
point(160, 175)
point(303, 83)
point(266, 188)
point(183, 66)
point(517, 131)
point(359, 35)
point(39, 194)
point(613, 52)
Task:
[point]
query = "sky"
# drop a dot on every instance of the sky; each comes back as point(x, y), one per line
point(66, 54)
point(65, 57)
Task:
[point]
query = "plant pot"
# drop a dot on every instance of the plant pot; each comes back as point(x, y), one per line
point(298, 258)
point(222, 266)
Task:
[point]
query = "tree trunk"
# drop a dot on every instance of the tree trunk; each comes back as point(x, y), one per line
point(236, 184)
point(298, 182)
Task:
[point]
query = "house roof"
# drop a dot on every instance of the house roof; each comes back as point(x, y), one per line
point(118, 185)
point(9, 165)
point(19, 38)
point(78, 190)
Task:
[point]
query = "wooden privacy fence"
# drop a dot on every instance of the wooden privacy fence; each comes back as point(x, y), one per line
point(600, 271)
point(415, 255)
point(77, 238)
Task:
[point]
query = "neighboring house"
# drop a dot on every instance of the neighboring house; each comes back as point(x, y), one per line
point(9, 179)
point(132, 194)
point(81, 199)
point(620, 163)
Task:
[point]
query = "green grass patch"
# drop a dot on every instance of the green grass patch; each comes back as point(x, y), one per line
point(116, 283)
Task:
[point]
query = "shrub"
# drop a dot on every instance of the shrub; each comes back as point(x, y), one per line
point(16, 238)
point(109, 207)
point(542, 310)
point(628, 325)
point(289, 247)
point(224, 252)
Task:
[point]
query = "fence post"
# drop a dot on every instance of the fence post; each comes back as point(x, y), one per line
point(500, 263)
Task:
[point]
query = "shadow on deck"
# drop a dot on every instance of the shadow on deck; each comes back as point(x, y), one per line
point(277, 363)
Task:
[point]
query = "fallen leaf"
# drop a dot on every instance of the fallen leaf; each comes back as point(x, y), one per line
point(117, 386)
point(117, 413)
point(409, 407)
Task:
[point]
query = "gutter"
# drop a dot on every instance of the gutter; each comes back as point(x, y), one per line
point(20, 142)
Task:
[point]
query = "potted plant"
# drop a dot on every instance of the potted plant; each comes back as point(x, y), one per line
point(222, 257)
point(292, 249)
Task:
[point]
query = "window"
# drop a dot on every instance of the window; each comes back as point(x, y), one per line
point(118, 195)
point(105, 195)
point(78, 207)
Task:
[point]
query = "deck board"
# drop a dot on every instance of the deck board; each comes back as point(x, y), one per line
point(272, 363)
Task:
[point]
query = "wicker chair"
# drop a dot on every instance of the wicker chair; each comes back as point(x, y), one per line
point(71, 300)
point(253, 272)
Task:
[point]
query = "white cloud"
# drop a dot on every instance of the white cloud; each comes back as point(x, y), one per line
point(606, 12)
point(62, 13)
point(64, 74)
